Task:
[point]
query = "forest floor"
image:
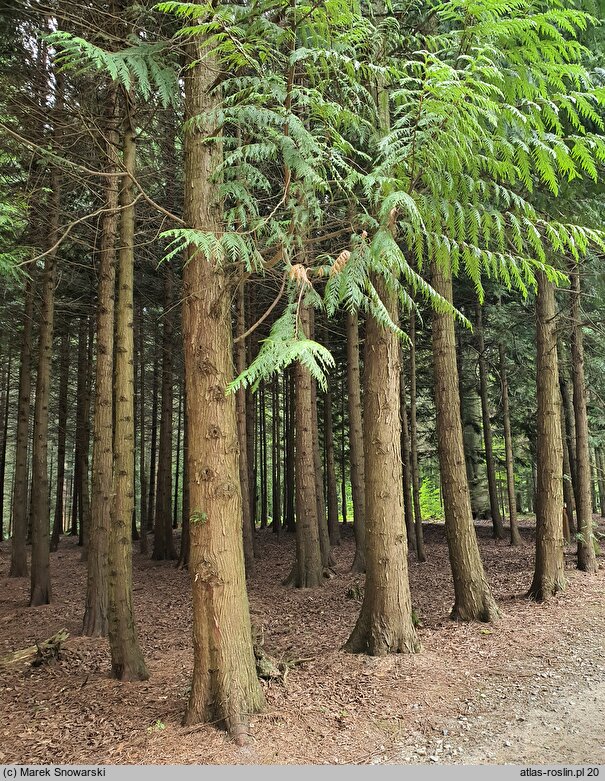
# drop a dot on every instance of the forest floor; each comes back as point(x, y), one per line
point(529, 689)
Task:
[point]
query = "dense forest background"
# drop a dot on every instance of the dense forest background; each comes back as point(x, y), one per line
point(321, 272)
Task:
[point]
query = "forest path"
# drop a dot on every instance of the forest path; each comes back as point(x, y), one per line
point(523, 713)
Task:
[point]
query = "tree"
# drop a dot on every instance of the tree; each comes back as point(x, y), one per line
point(18, 568)
point(308, 568)
point(356, 440)
point(62, 431)
point(586, 554)
point(40, 593)
point(549, 577)
point(163, 544)
point(487, 429)
point(515, 537)
point(96, 606)
point(127, 663)
point(225, 689)
point(473, 597)
point(385, 622)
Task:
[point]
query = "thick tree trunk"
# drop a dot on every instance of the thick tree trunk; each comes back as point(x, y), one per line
point(414, 443)
point(163, 543)
point(385, 622)
point(225, 689)
point(95, 612)
point(408, 504)
point(18, 568)
point(40, 510)
point(549, 574)
point(473, 598)
point(127, 663)
point(487, 430)
point(515, 537)
point(587, 561)
point(240, 402)
point(356, 441)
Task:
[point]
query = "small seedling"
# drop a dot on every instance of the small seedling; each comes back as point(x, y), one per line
point(198, 517)
point(157, 726)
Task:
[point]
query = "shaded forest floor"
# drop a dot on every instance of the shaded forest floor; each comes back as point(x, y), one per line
point(529, 689)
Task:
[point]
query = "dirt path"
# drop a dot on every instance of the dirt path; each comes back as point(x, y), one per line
point(530, 689)
point(547, 709)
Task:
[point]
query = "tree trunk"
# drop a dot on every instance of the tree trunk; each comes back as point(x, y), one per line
point(587, 561)
point(308, 568)
point(343, 458)
point(262, 452)
point(85, 468)
point(473, 598)
point(177, 465)
point(163, 543)
point(5, 409)
point(549, 574)
point(414, 443)
point(289, 390)
point(322, 521)
point(240, 402)
point(142, 432)
point(405, 462)
point(61, 435)
point(18, 568)
point(333, 527)
point(487, 430)
point(570, 431)
point(127, 663)
point(515, 537)
point(356, 441)
point(183, 560)
point(40, 510)
point(600, 462)
point(82, 411)
point(151, 501)
point(95, 611)
point(225, 689)
point(385, 621)
point(569, 502)
point(276, 458)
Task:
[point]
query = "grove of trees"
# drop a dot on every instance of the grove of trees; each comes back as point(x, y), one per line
point(293, 265)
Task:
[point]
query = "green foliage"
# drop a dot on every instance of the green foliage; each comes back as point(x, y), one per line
point(430, 499)
point(144, 66)
point(284, 346)
point(457, 142)
point(199, 516)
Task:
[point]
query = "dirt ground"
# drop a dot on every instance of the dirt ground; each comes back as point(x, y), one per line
point(530, 689)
